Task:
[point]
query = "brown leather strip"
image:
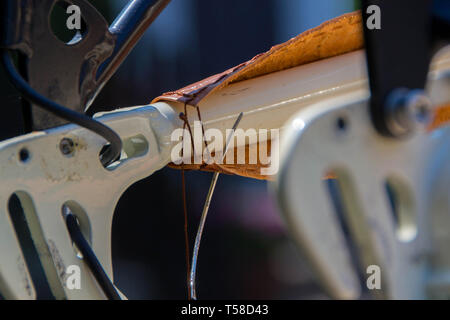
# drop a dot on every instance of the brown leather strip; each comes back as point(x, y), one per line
point(246, 170)
point(249, 170)
point(334, 37)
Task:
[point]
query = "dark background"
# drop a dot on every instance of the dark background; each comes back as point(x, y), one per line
point(245, 251)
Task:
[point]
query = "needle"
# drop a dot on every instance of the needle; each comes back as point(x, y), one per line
point(198, 237)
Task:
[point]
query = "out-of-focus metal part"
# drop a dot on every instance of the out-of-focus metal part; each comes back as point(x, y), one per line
point(47, 179)
point(439, 212)
point(73, 73)
point(387, 191)
point(406, 109)
point(398, 52)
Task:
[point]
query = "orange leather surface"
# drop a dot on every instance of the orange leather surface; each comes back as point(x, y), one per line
point(441, 117)
point(245, 170)
point(334, 37)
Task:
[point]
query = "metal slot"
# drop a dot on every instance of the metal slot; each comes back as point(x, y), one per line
point(355, 228)
point(34, 247)
point(133, 147)
point(402, 208)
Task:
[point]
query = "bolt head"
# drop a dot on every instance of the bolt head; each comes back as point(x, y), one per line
point(67, 147)
point(419, 106)
point(407, 110)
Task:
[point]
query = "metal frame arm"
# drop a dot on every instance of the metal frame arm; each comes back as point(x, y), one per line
point(73, 73)
point(128, 28)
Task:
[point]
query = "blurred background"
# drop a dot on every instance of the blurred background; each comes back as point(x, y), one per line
point(245, 251)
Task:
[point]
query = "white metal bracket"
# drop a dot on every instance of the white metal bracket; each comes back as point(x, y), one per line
point(44, 179)
point(381, 209)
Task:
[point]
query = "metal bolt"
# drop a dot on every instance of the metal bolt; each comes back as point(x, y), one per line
point(67, 147)
point(407, 110)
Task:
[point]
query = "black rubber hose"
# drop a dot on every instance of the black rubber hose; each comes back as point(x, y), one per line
point(89, 257)
point(114, 149)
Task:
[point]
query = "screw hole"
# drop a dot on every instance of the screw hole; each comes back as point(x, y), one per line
point(24, 155)
point(341, 124)
point(67, 147)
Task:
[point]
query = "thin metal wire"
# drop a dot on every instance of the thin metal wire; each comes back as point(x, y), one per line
point(186, 233)
point(205, 213)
